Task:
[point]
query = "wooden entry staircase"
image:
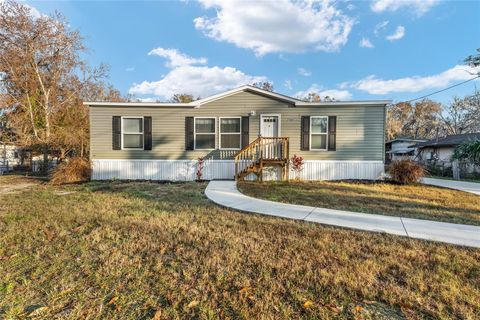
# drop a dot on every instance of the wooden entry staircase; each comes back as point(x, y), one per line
point(262, 152)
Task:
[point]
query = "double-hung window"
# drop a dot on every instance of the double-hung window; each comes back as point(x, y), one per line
point(205, 132)
point(132, 133)
point(230, 134)
point(318, 133)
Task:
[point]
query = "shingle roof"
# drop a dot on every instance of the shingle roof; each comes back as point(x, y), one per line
point(452, 140)
point(404, 139)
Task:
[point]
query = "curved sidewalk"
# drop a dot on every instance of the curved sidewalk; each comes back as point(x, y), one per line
point(225, 193)
point(472, 187)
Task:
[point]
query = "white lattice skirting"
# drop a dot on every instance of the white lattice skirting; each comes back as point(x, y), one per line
point(184, 170)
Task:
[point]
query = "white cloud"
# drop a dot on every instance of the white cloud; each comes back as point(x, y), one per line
point(365, 43)
point(397, 35)
point(288, 84)
point(380, 27)
point(176, 58)
point(130, 69)
point(374, 85)
point(189, 75)
point(33, 11)
point(147, 100)
point(418, 6)
point(277, 26)
point(304, 72)
point(340, 95)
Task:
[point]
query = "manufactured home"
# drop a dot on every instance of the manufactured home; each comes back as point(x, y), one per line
point(246, 132)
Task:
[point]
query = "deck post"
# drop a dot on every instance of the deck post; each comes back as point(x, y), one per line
point(287, 165)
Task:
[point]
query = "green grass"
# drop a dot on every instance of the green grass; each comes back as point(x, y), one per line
point(412, 201)
point(116, 250)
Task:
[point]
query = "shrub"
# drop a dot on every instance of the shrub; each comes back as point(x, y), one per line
point(200, 165)
point(72, 170)
point(297, 163)
point(406, 171)
point(468, 150)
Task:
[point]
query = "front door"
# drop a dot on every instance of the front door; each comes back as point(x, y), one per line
point(269, 126)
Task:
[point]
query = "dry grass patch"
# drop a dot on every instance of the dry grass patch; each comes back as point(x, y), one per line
point(14, 183)
point(135, 250)
point(412, 201)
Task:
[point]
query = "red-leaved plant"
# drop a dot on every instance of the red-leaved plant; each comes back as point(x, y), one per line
point(199, 172)
point(296, 163)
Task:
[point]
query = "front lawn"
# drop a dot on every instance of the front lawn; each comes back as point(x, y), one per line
point(415, 201)
point(116, 250)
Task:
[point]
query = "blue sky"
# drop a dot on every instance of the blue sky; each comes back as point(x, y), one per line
point(353, 50)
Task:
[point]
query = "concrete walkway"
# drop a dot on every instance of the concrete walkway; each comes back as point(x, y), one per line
point(225, 193)
point(471, 187)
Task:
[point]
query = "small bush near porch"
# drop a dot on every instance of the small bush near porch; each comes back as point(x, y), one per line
point(412, 201)
point(116, 250)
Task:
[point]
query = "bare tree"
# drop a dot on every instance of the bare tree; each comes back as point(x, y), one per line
point(182, 98)
point(315, 97)
point(312, 97)
point(265, 85)
point(462, 115)
point(397, 116)
point(473, 60)
point(43, 79)
point(419, 120)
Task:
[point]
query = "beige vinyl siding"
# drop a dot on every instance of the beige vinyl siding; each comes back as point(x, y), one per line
point(360, 129)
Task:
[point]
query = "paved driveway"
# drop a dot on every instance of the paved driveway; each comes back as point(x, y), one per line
point(471, 187)
point(225, 193)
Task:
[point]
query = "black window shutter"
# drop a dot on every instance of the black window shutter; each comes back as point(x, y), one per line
point(116, 133)
point(332, 133)
point(305, 133)
point(189, 135)
point(245, 131)
point(147, 134)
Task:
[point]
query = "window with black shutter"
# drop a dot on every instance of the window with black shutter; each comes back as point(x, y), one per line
point(132, 133)
point(318, 132)
point(230, 133)
point(205, 133)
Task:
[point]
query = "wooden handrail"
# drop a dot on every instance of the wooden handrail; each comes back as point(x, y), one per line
point(248, 146)
point(261, 150)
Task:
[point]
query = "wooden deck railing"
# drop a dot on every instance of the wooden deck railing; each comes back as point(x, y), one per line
point(262, 150)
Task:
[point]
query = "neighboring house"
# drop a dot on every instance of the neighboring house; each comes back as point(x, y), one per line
point(15, 157)
point(10, 154)
point(241, 131)
point(401, 148)
point(441, 149)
